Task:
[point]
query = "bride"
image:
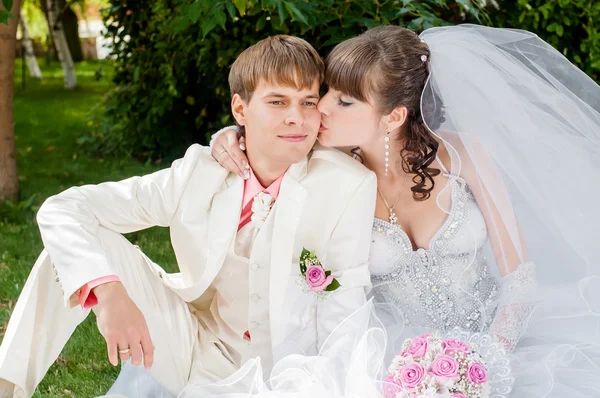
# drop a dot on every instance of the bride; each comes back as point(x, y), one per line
point(486, 145)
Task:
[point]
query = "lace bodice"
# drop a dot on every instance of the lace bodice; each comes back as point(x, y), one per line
point(447, 285)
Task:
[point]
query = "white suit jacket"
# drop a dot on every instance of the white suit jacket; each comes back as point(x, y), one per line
point(326, 204)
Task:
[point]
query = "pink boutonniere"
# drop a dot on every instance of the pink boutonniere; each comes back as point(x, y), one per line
point(314, 278)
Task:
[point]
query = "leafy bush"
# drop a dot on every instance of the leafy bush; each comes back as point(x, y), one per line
point(173, 56)
point(5, 13)
point(568, 25)
point(17, 212)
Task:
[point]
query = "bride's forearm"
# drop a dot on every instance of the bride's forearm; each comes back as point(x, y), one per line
point(517, 301)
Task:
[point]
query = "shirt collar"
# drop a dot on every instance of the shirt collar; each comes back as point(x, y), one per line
point(253, 187)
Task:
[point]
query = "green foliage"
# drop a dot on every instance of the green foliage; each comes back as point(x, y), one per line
point(5, 14)
point(17, 212)
point(173, 57)
point(333, 285)
point(568, 25)
point(36, 21)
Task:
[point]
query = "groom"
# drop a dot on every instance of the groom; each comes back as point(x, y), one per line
point(239, 293)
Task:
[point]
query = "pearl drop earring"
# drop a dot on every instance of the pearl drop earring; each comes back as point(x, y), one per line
point(387, 152)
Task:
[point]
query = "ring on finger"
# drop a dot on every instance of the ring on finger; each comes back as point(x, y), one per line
point(125, 351)
point(221, 152)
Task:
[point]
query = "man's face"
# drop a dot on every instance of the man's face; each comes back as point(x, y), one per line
point(281, 122)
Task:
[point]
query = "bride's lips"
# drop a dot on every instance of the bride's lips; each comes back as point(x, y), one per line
point(322, 128)
point(293, 137)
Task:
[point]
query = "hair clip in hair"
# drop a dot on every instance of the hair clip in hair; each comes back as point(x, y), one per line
point(424, 58)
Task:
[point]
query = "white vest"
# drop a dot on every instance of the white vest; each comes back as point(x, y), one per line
point(241, 300)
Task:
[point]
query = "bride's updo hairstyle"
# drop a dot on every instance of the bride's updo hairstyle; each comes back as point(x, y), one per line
point(387, 66)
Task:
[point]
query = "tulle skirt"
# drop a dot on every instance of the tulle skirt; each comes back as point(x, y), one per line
point(558, 356)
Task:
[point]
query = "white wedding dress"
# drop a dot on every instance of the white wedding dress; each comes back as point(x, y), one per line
point(451, 285)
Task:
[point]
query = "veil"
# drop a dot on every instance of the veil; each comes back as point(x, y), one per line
point(521, 125)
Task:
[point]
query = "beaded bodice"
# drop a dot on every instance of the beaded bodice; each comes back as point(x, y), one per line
point(449, 283)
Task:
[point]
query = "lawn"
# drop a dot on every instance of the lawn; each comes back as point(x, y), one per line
point(48, 121)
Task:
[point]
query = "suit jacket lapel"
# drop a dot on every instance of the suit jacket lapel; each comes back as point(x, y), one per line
point(288, 210)
point(223, 222)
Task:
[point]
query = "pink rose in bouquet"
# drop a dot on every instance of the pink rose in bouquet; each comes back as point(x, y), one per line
point(417, 347)
point(477, 373)
point(444, 366)
point(391, 386)
point(411, 376)
point(454, 345)
point(429, 364)
point(458, 395)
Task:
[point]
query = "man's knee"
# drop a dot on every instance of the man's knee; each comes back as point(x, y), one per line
point(6, 389)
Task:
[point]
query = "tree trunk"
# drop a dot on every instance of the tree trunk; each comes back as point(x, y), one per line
point(50, 49)
point(60, 41)
point(9, 181)
point(32, 64)
point(71, 29)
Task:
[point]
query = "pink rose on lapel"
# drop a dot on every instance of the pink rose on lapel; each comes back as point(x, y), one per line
point(316, 278)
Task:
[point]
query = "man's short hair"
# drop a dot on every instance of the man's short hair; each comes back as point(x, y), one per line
point(283, 60)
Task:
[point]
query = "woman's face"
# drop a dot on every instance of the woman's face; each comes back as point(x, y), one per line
point(347, 122)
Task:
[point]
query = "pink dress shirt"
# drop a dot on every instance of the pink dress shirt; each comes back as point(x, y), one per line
point(252, 187)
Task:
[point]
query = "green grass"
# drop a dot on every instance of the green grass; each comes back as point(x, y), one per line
point(48, 121)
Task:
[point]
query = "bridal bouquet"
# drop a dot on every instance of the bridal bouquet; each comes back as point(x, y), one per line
point(430, 365)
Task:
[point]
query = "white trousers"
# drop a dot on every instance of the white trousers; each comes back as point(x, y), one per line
point(40, 326)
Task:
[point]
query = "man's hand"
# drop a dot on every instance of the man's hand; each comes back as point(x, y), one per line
point(123, 326)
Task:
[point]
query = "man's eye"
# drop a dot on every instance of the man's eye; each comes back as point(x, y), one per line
point(310, 103)
point(277, 102)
